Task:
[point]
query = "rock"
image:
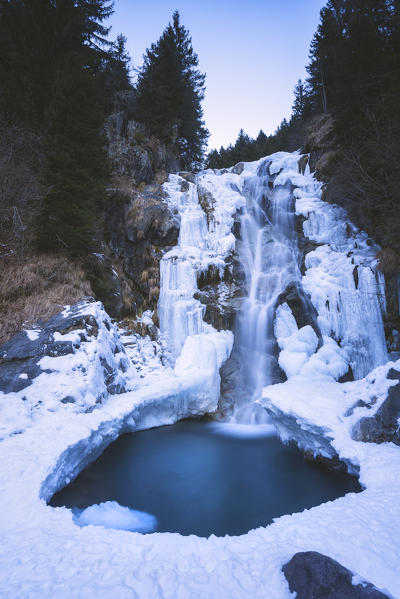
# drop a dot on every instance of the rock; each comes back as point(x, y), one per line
point(303, 161)
point(206, 201)
point(301, 307)
point(319, 138)
point(84, 323)
point(313, 575)
point(222, 303)
point(106, 283)
point(135, 155)
point(238, 168)
point(384, 425)
point(188, 176)
point(140, 229)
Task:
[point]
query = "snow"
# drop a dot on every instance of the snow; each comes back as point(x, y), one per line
point(351, 314)
point(46, 550)
point(46, 444)
point(77, 378)
point(33, 334)
point(112, 515)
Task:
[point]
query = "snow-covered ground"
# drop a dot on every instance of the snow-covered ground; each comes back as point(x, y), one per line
point(44, 553)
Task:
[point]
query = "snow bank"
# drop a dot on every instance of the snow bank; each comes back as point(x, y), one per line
point(48, 555)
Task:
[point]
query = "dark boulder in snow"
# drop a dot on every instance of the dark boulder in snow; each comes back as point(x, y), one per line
point(384, 424)
point(313, 575)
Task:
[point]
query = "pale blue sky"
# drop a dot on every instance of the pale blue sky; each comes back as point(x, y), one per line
point(253, 52)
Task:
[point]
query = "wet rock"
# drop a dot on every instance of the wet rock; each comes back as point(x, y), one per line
point(384, 425)
point(313, 575)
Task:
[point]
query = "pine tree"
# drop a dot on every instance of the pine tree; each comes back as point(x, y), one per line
point(76, 168)
point(301, 108)
point(35, 38)
point(115, 71)
point(170, 90)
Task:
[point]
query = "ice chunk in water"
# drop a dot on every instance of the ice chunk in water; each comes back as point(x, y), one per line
point(112, 515)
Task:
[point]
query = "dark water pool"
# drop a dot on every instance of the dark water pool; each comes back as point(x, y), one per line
point(196, 479)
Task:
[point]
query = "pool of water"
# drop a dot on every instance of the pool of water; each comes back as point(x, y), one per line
point(204, 478)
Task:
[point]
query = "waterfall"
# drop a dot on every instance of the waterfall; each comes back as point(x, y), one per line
point(180, 314)
point(269, 255)
point(338, 290)
point(313, 297)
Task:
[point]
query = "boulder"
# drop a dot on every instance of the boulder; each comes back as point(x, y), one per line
point(99, 370)
point(384, 425)
point(313, 575)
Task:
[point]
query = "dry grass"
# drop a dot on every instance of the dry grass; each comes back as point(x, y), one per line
point(36, 289)
point(319, 131)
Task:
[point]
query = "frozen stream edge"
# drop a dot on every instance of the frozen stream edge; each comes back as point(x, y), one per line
point(45, 554)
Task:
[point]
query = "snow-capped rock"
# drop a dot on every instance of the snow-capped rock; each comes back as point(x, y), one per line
point(72, 362)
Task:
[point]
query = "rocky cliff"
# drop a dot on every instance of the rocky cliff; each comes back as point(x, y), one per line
point(138, 224)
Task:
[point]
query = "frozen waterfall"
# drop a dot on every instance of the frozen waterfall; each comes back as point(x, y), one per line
point(313, 297)
point(268, 251)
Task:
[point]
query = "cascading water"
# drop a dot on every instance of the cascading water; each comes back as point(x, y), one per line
point(305, 313)
point(269, 255)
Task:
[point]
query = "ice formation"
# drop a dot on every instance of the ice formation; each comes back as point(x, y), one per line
point(337, 278)
point(112, 515)
point(180, 314)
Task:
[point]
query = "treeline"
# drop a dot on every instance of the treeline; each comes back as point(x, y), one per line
point(354, 74)
point(59, 72)
point(353, 79)
point(289, 136)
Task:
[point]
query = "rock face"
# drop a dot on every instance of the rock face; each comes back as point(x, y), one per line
point(320, 143)
point(384, 425)
point(315, 576)
point(33, 363)
point(139, 230)
point(138, 223)
point(134, 154)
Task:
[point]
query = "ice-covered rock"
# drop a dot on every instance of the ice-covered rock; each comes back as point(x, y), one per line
point(73, 362)
point(382, 420)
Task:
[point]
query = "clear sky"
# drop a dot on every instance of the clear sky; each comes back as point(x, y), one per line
point(252, 51)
